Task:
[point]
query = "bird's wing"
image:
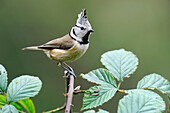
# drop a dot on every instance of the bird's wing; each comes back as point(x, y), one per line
point(61, 43)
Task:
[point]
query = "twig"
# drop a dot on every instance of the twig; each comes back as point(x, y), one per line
point(69, 88)
point(70, 94)
point(57, 109)
point(79, 91)
point(66, 90)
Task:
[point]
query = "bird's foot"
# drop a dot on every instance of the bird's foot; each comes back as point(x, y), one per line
point(68, 69)
point(70, 73)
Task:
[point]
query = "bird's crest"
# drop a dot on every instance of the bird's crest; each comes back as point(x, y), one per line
point(83, 20)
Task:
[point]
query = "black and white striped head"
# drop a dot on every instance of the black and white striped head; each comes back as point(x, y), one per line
point(82, 29)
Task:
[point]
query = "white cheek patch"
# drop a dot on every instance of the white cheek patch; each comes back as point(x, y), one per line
point(77, 35)
point(81, 34)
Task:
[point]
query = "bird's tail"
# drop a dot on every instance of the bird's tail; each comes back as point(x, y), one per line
point(31, 48)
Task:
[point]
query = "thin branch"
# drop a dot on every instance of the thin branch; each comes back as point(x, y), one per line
point(79, 91)
point(70, 94)
point(66, 90)
point(57, 109)
point(69, 88)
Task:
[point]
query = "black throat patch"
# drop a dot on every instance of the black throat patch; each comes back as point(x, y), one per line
point(84, 39)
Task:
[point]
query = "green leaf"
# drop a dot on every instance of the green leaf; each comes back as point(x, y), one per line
point(160, 103)
point(155, 81)
point(2, 99)
point(23, 87)
point(9, 109)
point(89, 111)
point(102, 111)
point(28, 105)
point(169, 103)
point(121, 63)
point(98, 95)
point(17, 106)
point(100, 76)
point(139, 103)
point(3, 79)
point(92, 111)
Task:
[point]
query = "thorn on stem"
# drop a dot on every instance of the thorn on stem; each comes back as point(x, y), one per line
point(72, 105)
point(64, 94)
point(98, 88)
point(64, 76)
point(95, 94)
point(77, 88)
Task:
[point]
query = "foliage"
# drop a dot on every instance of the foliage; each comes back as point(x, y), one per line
point(105, 91)
point(120, 64)
point(18, 92)
point(9, 109)
point(100, 111)
point(3, 79)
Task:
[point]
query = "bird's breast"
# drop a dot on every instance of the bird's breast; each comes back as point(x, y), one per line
point(68, 55)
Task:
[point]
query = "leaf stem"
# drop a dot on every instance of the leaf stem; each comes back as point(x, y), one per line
point(122, 91)
point(21, 112)
point(5, 94)
point(2, 104)
point(119, 85)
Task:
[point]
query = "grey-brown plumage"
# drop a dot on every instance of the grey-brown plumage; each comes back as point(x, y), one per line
point(64, 42)
point(64, 49)
point(71, 46)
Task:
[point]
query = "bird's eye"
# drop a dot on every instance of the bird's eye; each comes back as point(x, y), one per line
point(82, 28)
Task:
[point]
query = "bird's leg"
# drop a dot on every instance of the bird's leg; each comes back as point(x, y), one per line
point(66, 67)
point(71, 69)
point(70, 72)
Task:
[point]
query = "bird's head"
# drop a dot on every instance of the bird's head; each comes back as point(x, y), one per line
point(82, 28)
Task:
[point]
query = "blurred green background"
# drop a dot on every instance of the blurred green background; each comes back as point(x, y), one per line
point(142, 27)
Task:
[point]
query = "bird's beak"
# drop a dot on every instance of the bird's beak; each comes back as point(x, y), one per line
point(91, 30)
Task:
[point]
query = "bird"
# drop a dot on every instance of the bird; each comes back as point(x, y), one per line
point(70, 47)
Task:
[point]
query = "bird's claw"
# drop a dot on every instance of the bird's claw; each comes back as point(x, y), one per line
point(71, 73)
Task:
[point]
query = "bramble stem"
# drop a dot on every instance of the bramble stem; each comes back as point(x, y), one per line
point(70, 94)
point(69, 89)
